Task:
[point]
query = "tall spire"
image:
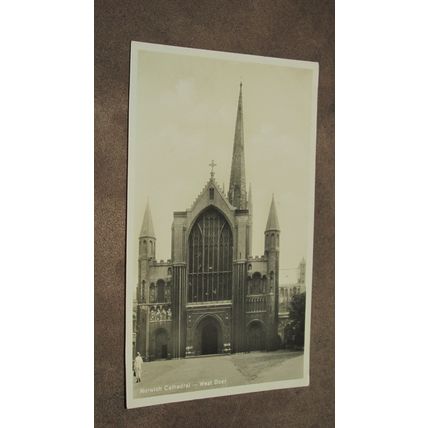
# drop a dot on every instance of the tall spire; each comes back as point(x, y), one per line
point(237, 194)
point(250, 200)
point(147, 226)
point(272, 222)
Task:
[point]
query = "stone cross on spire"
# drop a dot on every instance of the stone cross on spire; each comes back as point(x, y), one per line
point(212, 165)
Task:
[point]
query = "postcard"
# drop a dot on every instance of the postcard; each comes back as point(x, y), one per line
point(220, 216)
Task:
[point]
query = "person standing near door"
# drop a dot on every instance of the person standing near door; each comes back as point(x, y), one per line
point(138, 367)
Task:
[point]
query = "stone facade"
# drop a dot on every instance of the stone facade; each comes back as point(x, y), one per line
point(212, 296)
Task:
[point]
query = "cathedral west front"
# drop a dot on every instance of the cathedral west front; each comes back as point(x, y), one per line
point(213, 296)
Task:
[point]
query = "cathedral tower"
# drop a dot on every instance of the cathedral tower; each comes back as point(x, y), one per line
point(272, 233)
point(302, 272)
point(147, 252)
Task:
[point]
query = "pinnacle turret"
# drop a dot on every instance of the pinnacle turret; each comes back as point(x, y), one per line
point(272, 222)
point(147, 228)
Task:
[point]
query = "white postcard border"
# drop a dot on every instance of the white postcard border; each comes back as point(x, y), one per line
point(132, 402)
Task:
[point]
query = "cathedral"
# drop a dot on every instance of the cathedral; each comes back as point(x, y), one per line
point(212, 296)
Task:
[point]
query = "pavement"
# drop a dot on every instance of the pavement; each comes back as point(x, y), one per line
point(193, 374)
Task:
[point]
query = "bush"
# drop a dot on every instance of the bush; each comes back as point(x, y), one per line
point(295, 329)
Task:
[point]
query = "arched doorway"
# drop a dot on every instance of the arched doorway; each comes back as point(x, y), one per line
point(161, 344)
point(209, 339)
point(208, 336)
point(256, 336)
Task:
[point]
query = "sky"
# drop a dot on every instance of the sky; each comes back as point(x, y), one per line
point(184, 117)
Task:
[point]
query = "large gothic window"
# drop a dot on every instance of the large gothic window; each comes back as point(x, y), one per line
point(210, 258)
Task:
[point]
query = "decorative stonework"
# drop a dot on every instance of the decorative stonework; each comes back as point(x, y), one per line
point(213, 296)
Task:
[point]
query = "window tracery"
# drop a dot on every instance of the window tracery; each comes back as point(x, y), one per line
point(210, 258)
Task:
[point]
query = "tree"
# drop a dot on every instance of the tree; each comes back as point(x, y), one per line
point(295, 329)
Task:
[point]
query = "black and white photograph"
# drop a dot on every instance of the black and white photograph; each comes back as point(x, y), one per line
point(221, 173)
